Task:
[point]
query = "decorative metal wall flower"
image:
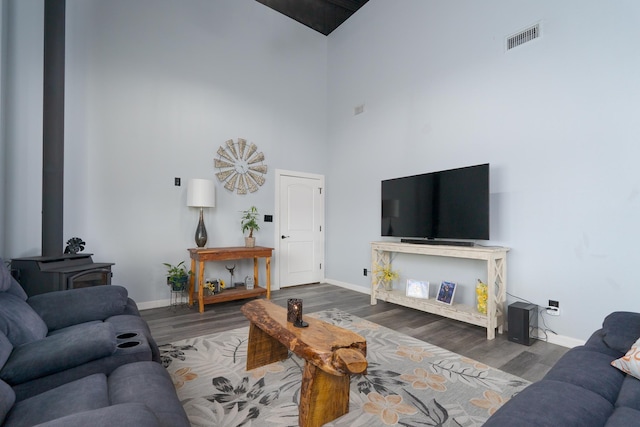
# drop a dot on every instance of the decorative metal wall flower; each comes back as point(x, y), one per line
point(240, 166)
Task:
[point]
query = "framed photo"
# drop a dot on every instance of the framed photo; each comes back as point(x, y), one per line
point(446, 292)
point(417, 289)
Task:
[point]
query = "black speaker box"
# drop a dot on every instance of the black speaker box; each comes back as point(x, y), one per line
point(523, 320)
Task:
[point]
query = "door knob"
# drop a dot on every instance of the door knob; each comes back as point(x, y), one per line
point(284, 237)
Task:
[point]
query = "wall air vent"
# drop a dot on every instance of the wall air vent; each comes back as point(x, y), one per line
point(523, 36)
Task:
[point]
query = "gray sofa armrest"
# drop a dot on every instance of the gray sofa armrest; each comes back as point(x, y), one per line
point(80, 305)
point(59, 352)
point(125, 414)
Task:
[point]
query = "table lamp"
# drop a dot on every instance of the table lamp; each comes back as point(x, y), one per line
point(201, 193)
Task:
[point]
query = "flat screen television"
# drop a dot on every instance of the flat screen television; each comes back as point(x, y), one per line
point(448, 204)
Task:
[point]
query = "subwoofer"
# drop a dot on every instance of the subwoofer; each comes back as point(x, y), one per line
point(523, 320)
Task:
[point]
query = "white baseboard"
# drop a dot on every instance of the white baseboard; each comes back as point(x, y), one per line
point(154, 304)
point(349, 286)
point(562, 340)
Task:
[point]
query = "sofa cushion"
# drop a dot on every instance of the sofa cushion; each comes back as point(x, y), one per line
point(19, 322)
point(7, 399)
point(80, 305)
point(160, 396)
point(73, 327)
point(588, 370)
point(553, 403)
point(59, 352)
point(8, 283)
point(623, 417)
point(621, 330)
point(5, 276)
point(629, 395)
point(5, 349)
point(81, 395)
point(127, 414)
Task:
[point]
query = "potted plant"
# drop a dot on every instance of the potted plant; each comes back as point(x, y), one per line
point(177, 276)
point(386, 275)
point(249, 222)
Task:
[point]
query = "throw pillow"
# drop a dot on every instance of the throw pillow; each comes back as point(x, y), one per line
point(630, 362)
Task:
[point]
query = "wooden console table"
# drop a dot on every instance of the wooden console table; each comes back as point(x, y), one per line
point(496, 258)
point(226, 254)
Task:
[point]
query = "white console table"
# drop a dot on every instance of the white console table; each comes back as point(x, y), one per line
point(496, 258)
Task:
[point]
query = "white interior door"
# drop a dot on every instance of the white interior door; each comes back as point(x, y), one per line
point(300, 234)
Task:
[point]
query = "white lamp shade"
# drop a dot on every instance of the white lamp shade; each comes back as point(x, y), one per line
point(201, 193)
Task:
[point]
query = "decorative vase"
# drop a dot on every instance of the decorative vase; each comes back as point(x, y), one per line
point(388, 285)
point(201, 232)
point(482, 294)
point(250, 242)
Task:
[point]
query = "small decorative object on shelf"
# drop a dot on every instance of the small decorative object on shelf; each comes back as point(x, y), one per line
point(294, 313)
point(386, 275)
point(214, 286)
point(482, 294)
point(74, 245)
point(417, 289)
point(446, 292)
point(249, 282)
point(249, 222)
point(231, 270)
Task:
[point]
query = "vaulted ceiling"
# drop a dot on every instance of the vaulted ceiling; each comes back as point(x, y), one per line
point(323, 16)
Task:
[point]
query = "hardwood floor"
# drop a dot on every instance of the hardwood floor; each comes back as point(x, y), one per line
point(170, 324)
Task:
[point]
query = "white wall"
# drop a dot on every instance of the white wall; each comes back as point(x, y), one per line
point(556, 118)
point(3, 157)
point(22, 126)
point(153, 88)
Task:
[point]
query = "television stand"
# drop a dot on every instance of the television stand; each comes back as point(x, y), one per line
point(496, 259)
point(438, 242)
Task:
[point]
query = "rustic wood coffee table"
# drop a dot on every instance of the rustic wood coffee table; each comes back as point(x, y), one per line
point(331, 355)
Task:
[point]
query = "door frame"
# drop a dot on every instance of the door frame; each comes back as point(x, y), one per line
point(276, 237)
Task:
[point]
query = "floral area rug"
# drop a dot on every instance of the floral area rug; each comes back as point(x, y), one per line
point(408, 382)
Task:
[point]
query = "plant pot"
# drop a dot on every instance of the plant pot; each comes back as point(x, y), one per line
point(249, 242)
point(178, 284)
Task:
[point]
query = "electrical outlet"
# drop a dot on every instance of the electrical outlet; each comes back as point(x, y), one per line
point(176, 181)
point(553, 308)
point(364, 271)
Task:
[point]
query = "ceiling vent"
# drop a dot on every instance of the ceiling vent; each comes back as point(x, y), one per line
point(523, 36)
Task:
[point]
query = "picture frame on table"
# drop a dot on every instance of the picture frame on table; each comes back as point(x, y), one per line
point(446, 292)
point(417, 289)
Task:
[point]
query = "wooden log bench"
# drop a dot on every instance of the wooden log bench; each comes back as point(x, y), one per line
point(331, 355)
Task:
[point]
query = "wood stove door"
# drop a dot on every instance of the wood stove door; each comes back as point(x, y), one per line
point(87, 278)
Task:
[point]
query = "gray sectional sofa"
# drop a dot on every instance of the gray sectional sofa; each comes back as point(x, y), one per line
point(80, 357)
point(583, 388)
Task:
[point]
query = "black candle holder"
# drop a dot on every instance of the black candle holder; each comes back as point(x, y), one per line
point(294, 313)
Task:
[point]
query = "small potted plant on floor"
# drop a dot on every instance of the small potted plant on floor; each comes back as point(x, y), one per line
point(177, 276)
point(250, 222)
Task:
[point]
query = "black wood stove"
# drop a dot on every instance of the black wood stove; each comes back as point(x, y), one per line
point(41, 274)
